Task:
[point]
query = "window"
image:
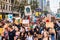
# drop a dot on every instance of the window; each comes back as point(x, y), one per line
point(6, 7)
point(1, 6)
point(12, 1)
point(9, 8)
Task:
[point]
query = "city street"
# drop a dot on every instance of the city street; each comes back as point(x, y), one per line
point(29, 20)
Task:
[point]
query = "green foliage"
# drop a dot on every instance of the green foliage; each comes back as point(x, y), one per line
point(19, 6)
point(34, 4)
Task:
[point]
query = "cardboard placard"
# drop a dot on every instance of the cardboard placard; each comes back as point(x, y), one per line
point(49, 25)
point(47, 18)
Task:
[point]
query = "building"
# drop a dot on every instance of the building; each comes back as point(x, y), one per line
point(6, 8)
point(42, 4)
point(58, 10)
point(28, 1)
point(48, 6)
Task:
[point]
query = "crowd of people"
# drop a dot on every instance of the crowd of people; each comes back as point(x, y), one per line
point(34, 31)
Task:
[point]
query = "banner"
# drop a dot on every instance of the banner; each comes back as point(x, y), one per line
point(28, 10)
point(0, 16)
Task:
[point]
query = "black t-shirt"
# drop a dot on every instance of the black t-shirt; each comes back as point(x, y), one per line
point(22, 38)
point(11, 35)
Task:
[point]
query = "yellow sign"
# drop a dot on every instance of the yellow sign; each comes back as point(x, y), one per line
point(0, 16)
point(1, 30)
point(16, 21)
point(21, 20)
point(38, 13)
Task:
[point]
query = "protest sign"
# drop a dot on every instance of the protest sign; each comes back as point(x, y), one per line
point(49, 25)
point(1, 31)
point(47, 19)
point(25, 22)
point(28, 10)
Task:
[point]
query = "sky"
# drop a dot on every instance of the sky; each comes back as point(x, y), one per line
point(54, 5)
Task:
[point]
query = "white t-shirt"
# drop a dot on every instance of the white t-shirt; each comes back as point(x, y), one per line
point(29, 38)
point(26, 28)
point(21, 30)
point(45, 33)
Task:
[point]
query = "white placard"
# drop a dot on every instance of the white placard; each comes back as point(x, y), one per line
point(28, 10)
point(25, 22)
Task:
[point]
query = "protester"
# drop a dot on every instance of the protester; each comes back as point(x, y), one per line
point(17, 34)
point(29, 37)
point(36, 30)
point(11, 32)
point(22, 36)
point(52, 33)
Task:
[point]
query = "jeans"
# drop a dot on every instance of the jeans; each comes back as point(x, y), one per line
point(52, 37)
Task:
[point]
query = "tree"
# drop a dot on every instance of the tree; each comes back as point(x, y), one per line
point(34, 4)
point(22, 7)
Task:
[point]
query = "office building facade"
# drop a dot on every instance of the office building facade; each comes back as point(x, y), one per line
point(42, 4)
point(6, 7)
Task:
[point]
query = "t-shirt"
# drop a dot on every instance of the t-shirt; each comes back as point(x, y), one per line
point(31, 27)
point(30, 38)
point(11, 35)
point(22, 38)
point(26, 28)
